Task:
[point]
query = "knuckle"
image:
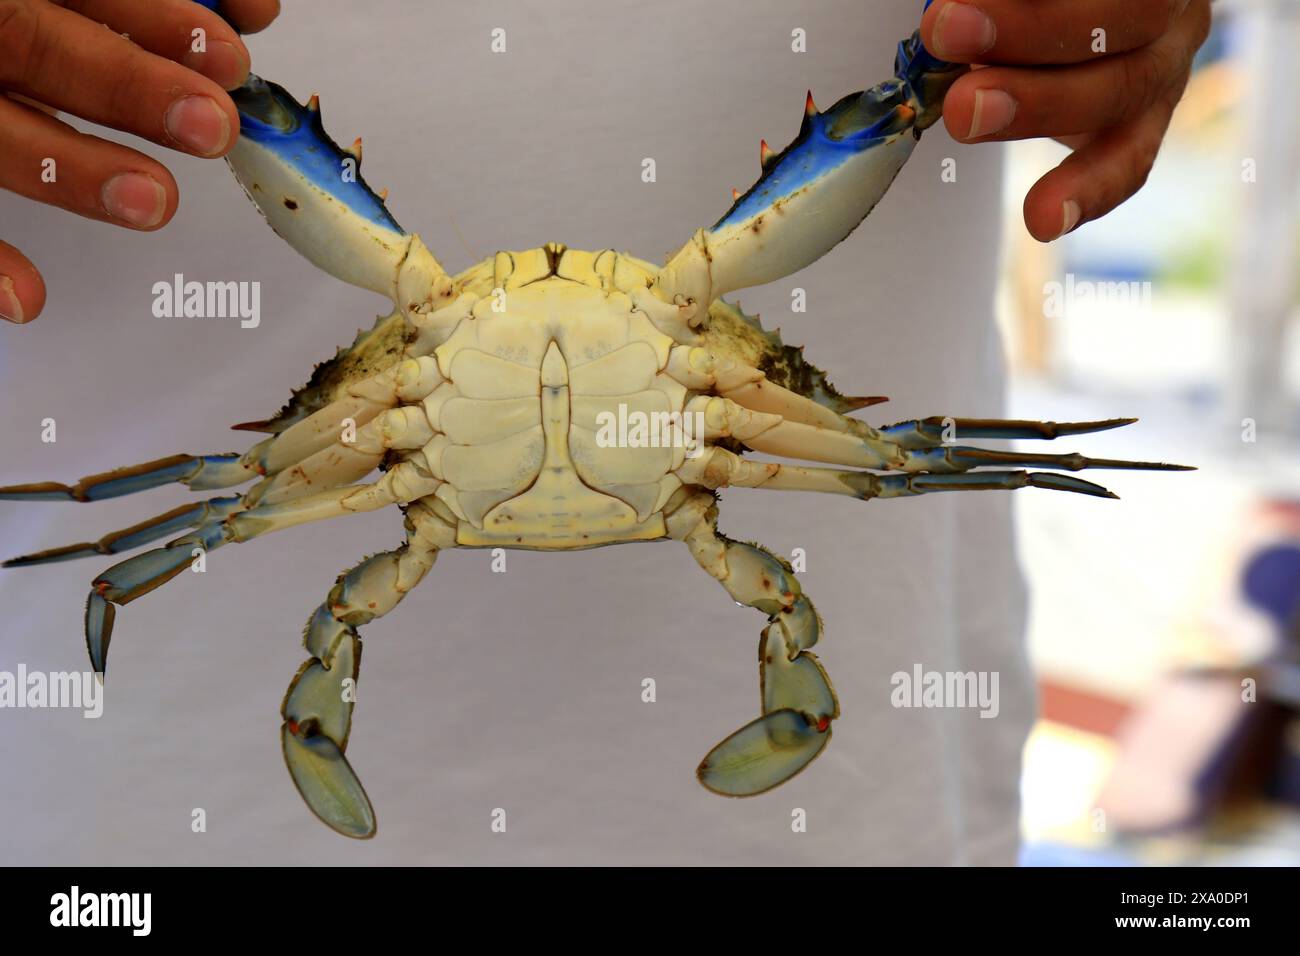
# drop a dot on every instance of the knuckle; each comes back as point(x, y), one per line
point(1143, 75)
point(122, 97)
point(1152, 19)
point(18, 22)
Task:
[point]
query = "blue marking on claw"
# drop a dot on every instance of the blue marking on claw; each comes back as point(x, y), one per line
point(910, 101)
point(823, 144)
point(272, 118)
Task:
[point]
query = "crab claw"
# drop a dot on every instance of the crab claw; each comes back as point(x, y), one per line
point(311, 191)
point(814, 193)
point(762, 754)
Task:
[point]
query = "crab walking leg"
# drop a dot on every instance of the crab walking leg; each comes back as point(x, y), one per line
point(346, 461)
point(411, 379)
point(719, 468)
point(317, 707)
point(702, 370)
point(773, 435)
point(127, 539)
point(198, 472)
point(138, 575)
point(798, 701)
point(938, 430)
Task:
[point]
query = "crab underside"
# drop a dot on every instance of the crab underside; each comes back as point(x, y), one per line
point(556, 399)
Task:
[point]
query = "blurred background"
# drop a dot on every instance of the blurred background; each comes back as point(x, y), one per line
point(1169, 667)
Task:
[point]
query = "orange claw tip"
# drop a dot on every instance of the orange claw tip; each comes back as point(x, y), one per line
point(809, 107)
point(765, 153)
point(383, 194)
point(735, 194)
point(313, 104)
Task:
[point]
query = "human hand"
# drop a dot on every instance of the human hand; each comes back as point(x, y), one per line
point(71, 56)
point(1101, 76)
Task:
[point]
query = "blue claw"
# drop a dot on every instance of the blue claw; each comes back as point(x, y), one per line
point(817, 190)
point(272, 118)
point(908, 102)
point(311, 192)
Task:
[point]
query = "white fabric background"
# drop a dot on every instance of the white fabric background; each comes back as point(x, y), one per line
point(518, 690)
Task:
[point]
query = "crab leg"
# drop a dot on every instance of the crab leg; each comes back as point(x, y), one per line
point(199, 473)
point(773, 435)
point(703, 370)
point(115, 542)
point(140, 574)
point(798, 701)
point(937, 430)
point(317, 707)
point(720, 468)
point(817, 190)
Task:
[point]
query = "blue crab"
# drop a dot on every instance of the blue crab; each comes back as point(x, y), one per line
point(485, 399)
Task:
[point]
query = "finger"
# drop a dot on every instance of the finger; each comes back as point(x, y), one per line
point(248, 16)
point(73, 64)
point(1043, 31)
point(28, 101)
point(1003, 103)
point(179, 30)
point(22, 290)
point(1099, 176)
point(47, 160)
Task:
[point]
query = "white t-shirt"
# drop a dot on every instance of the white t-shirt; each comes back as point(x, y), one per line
point(518, 691)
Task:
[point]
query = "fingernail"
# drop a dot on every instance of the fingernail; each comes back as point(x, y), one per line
point(135, 198)
point(222, 62)
point(1070, 213)
point(994, 111)
point(199, 124)
point(11, 310)
point(962, 30)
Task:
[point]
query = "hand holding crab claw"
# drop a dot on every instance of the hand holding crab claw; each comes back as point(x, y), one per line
point(1101, 76)
point(74, 56)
